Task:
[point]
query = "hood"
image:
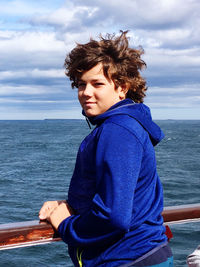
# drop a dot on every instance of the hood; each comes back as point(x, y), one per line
point(139, 112)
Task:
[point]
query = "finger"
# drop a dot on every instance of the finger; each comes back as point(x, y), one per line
point(47, 208)
point(44, 206)
point(45, 211)
point(42, 216)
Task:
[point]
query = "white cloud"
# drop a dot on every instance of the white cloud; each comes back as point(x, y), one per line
point(186, 96)
point(186, 89)
point(6, 90)
point(20, 101)
point(35, 37)
point(33, 73)
point(144, 13)
point(59, 18)
point(28, 42)
point(26, 50)
point(25, 8)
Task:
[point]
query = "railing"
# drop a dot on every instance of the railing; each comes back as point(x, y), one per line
point(30, 233)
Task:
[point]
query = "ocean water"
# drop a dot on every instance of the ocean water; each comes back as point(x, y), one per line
point(36, 163)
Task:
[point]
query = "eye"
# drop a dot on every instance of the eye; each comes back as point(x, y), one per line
point(99, 84)
point(81, 85)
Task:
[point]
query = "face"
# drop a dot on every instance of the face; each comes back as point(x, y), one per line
point(96, 93)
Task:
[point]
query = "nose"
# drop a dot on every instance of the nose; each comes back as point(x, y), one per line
point(88, 90)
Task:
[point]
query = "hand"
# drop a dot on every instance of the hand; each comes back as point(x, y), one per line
point(60, 213)
point(48, 207)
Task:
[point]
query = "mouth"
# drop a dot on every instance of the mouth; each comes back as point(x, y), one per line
point(89, 103)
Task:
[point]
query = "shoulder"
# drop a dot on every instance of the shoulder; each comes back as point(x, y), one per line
point(122, 127)
point(127, 123)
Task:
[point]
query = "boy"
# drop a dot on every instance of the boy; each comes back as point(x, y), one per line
point(112, 216)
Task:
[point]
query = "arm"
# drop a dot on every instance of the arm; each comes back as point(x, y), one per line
point(118, 159)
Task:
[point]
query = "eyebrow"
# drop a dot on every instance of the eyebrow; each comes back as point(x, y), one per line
point(93, 80)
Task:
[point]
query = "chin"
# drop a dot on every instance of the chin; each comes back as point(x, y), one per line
point(90, 113)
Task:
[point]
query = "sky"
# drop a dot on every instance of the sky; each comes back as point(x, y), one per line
point(35, 37)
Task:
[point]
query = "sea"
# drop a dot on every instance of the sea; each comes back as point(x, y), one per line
point(36, 163)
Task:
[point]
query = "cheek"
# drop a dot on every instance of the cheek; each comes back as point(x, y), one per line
point(79, 96)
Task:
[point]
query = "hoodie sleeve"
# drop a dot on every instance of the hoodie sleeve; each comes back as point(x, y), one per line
point(118, 161)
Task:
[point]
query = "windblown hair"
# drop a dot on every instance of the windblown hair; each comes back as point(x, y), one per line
point(121, 64)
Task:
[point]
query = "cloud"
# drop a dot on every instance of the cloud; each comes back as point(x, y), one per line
point(30, 49)
point(35, 73)
point(145, 14)
point(24, 8)
point(186, 96)
point(163, 24)
point(35, 38)
point(137, 15)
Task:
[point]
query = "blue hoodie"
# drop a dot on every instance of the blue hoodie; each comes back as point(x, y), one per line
point(115, 190)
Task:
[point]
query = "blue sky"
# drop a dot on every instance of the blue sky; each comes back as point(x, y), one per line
point(35, 37)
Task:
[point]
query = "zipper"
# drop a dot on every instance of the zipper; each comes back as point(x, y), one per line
point(88, 123)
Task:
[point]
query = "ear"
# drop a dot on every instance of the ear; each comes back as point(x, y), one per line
point(123, 89)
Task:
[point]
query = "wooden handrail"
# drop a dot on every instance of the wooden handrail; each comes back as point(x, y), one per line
point(181, 214)
point(23, 234)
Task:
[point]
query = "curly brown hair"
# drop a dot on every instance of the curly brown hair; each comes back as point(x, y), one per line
point(121, 63)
